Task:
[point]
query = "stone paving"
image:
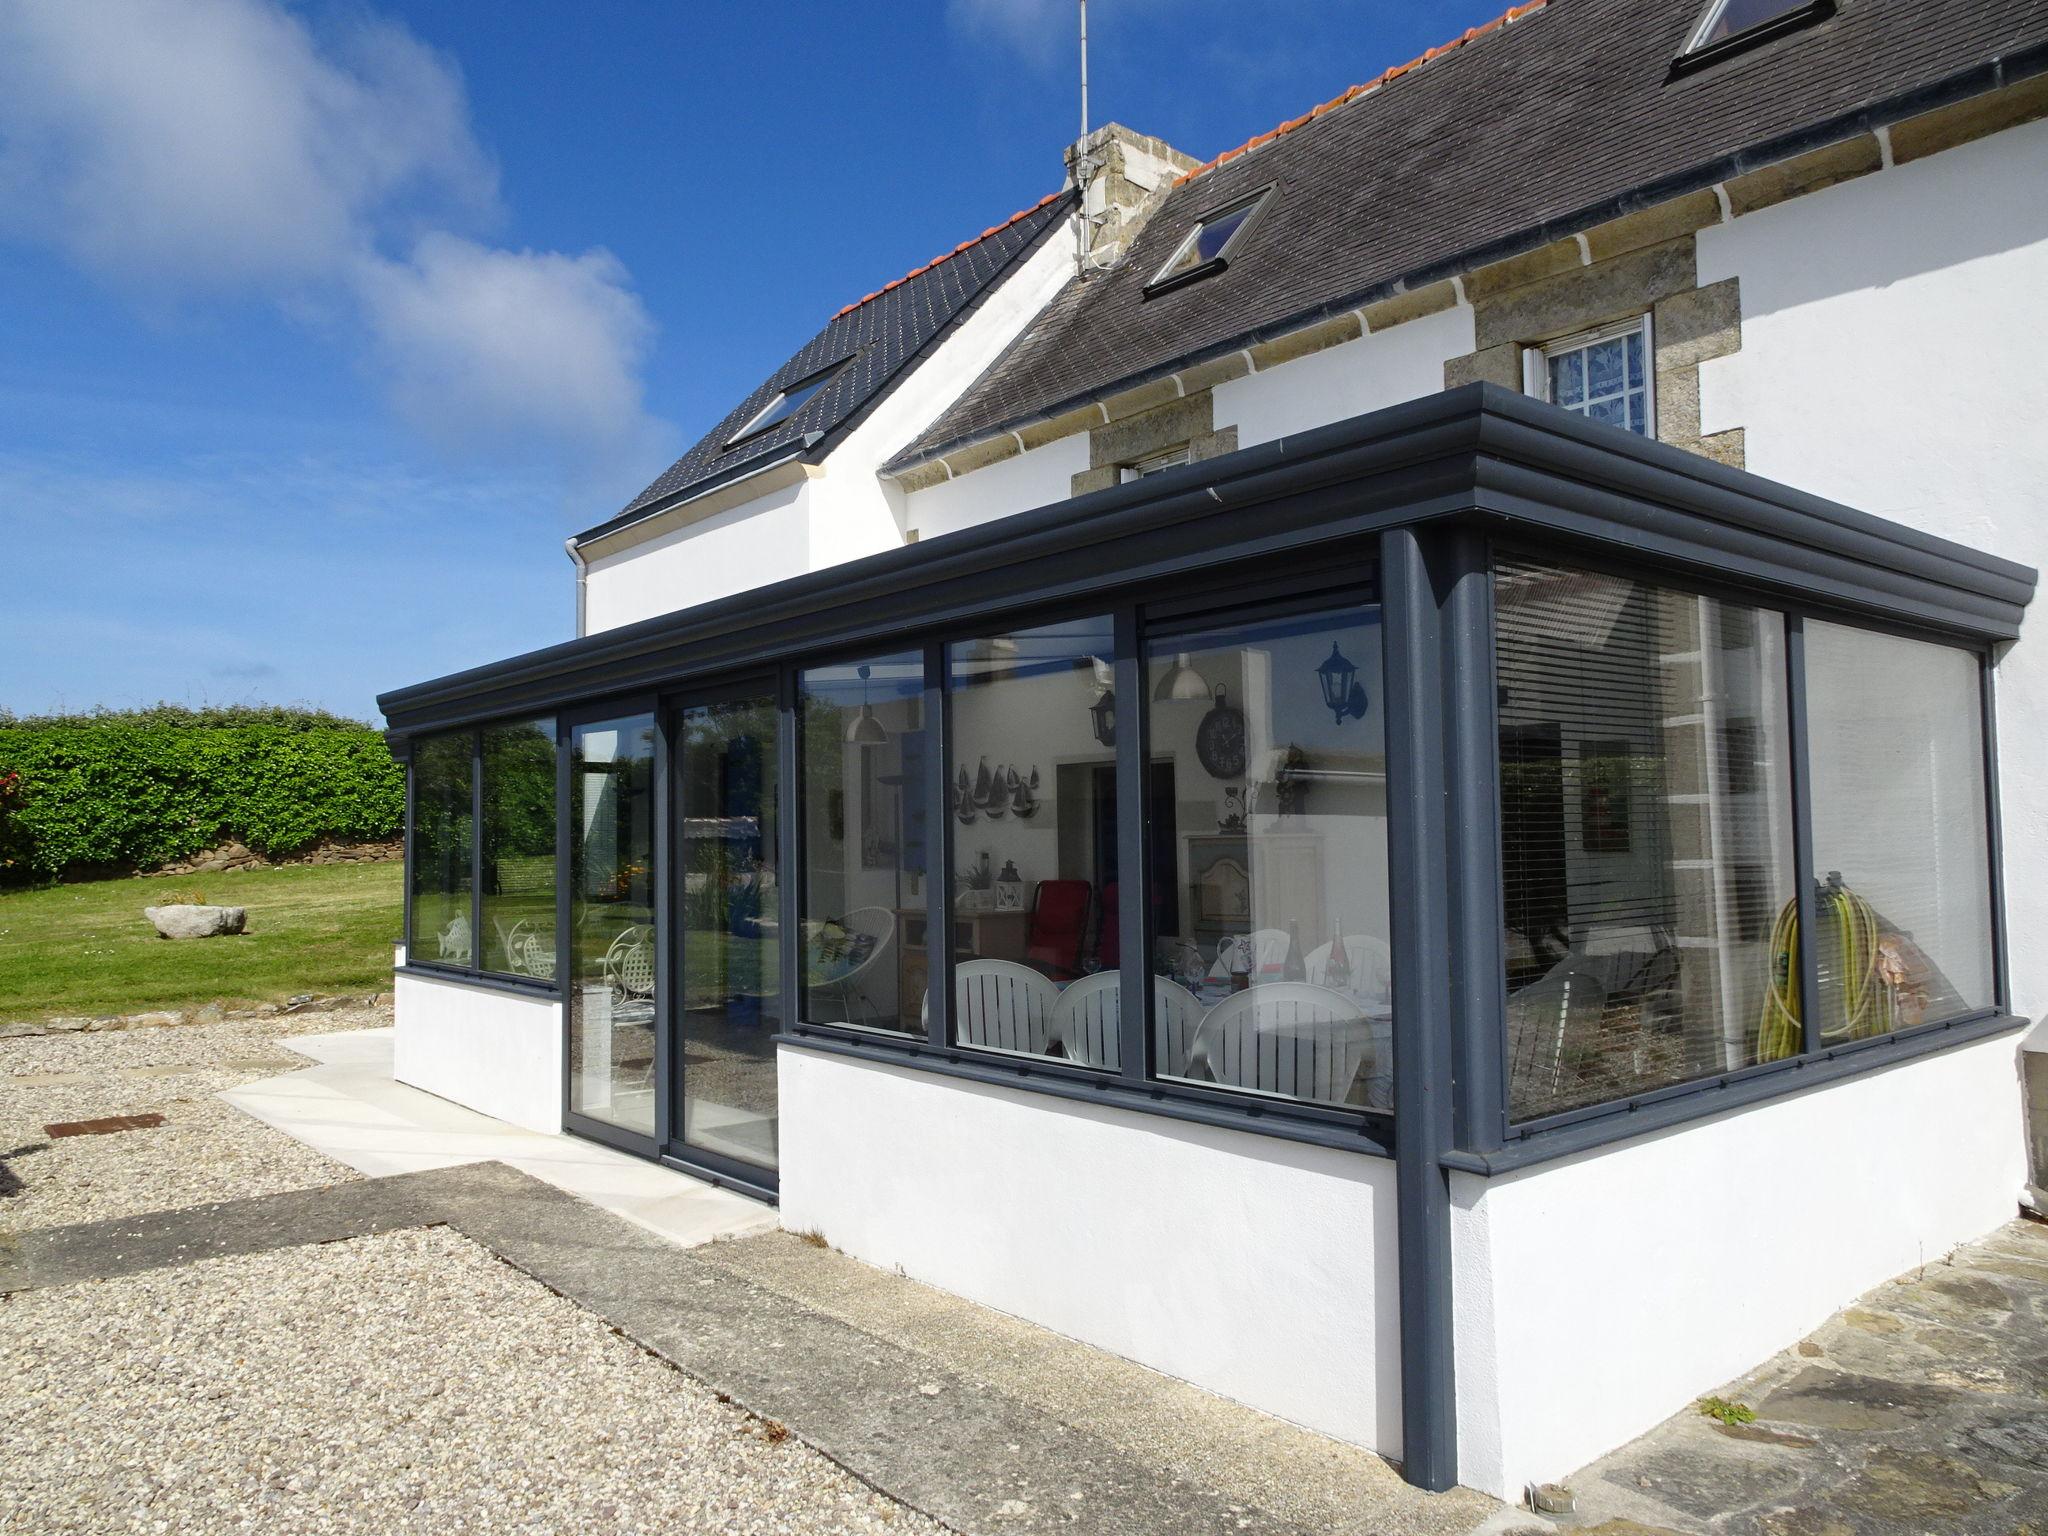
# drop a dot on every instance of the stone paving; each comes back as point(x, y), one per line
point(1922, 1408)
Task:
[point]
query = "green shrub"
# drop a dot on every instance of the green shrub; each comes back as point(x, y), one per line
point(144, 788)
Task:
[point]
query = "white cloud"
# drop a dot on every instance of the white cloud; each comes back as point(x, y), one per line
point(480, 342)
point(220, 147)
point(1040, 29)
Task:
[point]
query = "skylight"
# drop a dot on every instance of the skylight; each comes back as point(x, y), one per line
point(1729, 26)
point(785, 404)
point(1208, 245)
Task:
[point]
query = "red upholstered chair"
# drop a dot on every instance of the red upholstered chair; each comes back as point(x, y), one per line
point(1059, 927)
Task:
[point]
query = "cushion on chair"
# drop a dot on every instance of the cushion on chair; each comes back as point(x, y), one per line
point(1059, 927)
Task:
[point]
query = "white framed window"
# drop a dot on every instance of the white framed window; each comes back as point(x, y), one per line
point(1171, 458)
point(1605, 375)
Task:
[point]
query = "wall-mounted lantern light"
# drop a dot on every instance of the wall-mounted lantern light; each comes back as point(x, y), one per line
point(1102, 715)
point(1342, 691)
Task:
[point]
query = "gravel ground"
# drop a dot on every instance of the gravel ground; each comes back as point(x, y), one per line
point(205, 1150)
point(407, 1382)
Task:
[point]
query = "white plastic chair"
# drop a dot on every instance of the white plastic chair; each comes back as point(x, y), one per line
point(1003, 1006)
point(1372, 964)
point(1087, 1018)
point(1176, 1015)
point(1286, 1037)
point(454, 940)
point(850, 989)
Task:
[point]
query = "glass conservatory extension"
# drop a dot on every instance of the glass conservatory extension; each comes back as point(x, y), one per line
point(1330, 886)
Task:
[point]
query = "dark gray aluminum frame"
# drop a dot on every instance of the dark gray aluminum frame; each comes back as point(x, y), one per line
point(1423, 491)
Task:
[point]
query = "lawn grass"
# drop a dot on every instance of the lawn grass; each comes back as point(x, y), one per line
point(87, 948)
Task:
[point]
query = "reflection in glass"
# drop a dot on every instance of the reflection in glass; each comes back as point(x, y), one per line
point(1033, 802)
point(864, 769)
point(730, 928)
point(443, 816)
point(611, 922)
point(1275, 964)
point(519, 848)
point(1646, 836)
point(1901, 842)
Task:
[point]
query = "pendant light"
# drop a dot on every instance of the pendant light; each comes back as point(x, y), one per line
point(866, 730)
point(1183, 683)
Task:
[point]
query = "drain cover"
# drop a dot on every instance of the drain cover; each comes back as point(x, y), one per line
point(104, 1126)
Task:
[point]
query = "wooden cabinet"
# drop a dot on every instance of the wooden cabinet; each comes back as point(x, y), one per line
point(990, 935)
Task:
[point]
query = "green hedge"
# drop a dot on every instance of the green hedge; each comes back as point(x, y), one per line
point(143, 788)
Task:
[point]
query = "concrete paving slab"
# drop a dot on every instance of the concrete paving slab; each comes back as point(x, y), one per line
point(348, 1106)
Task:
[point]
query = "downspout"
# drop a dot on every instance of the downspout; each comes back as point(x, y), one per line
point(582, 587)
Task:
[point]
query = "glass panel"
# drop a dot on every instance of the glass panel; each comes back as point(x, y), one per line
point(1206, 242)
point(443, 816)
point(1613, 410)
point(1901, 841)
point(1274, 972)
point(1606, 367)
point(731, 927)
point(1645, 835)
point(1635, 359)
point(1732, 16)
point(1034, 809)
point(786, 404)
point(1568, 378)
point(611, 922)
point(864, 769)
point(519, 849)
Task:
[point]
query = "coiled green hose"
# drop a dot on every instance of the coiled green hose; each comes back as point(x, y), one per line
point(1851, 933)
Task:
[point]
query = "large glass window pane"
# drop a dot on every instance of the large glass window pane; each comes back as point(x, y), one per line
point(1645, 836)
point(731, 927)
point(1275, 973)
point(442, 827)
point(1901, 841)
point(519, 848)
point(864, 770)
point(611, 922)
point(1033, 802)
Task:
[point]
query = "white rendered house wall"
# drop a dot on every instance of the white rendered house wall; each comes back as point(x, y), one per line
point(1595, 1297)
point(482, 1047)
point(1261, 1269)
point(844, 510)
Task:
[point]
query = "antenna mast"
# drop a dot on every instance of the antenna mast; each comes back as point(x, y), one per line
point(1084, 68)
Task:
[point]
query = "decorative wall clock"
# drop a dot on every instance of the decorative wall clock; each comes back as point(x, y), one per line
point(1220, 739)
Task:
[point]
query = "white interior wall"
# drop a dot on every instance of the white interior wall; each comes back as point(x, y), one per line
point(1595, 1297)
point(481, 1047)
point(1263, 1270)
point(1902, 375)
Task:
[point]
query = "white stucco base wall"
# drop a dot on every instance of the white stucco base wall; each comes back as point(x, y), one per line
point(1595, 1297)
point(489, 1050)
point(1262, 1270)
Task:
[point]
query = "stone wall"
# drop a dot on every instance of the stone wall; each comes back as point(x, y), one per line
point(234, 855)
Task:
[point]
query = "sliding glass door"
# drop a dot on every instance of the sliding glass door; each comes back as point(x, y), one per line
point(728, 930)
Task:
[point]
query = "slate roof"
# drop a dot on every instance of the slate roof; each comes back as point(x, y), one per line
point(882, 333)
point(1563, 116)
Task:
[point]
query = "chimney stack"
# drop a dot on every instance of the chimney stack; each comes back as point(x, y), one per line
point(1123, 177)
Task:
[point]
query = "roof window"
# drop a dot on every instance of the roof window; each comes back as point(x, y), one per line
point(787, 402)
point(1208, 246)
point(1730, 26)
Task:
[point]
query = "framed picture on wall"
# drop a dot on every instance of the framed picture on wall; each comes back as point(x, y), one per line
point(1604, 767)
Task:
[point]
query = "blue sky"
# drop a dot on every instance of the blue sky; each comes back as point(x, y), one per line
point(322, 325)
